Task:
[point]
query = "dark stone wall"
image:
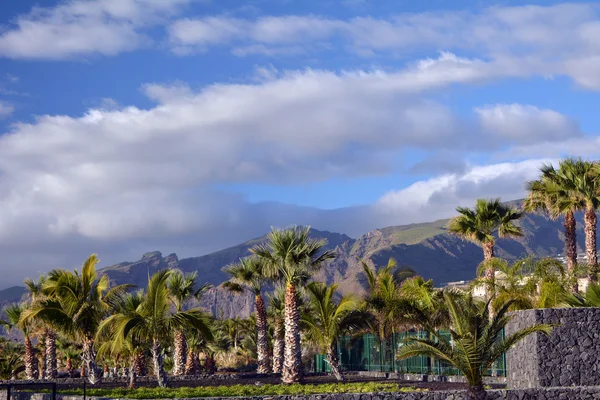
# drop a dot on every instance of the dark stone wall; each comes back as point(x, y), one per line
point(568, 357)
point(572, 393)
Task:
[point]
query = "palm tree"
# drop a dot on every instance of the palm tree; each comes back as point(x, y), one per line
point(196, 343)
point(383, 298)
point(591, 298)
point(327, 319)
point(383, 303)
point(476, 340)
point(293, 257)
point(584, 180)
point(248, 274)
point(13, 314)
point(75, 304)
point(515, 283)
point(153, 322)
point(132, 347)
point(528, 283)
point(481, 223)
point(11, 363)
point(72, 355)
point(552, 193)
point(42, 330)
point(277, 315)
point(182, 287)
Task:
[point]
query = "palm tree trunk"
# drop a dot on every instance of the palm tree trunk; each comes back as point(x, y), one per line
point(334, 362)
point(132, 372)
point(89, 360)
point(210, 366)
point(179, 354)
point(30, 360)
point(50, 355)
point(159, 367)
point(488, 251)
point(278, 346)
point(264, 363)
point(139, 364)
point(292, 363)
point(477, 393)
point(490, 272)
point(590, 244)
point(69, 366)
point(571, 247)
point(190, 364)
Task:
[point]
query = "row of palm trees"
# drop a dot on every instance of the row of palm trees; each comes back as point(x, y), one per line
point(559, 192)
point(82, 307)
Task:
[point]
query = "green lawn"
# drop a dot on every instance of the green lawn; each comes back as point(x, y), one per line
point(242, 390)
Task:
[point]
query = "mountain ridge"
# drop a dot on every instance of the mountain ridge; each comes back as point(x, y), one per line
point(425, 247)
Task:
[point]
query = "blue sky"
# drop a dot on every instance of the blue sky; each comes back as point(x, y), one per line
point(189, 125)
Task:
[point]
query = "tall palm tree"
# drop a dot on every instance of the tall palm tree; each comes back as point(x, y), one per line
point(292, 256)
point(481, 223)
point(248, 274)
point(277, 315)
point(327, 318)
point(75, 304)
point(584, 180)
point(153, 321)
point(13, 315)
point(182, 288)
point(476, 340)
point(552, 193)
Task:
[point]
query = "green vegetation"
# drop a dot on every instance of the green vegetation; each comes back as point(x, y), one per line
point(242, 390)
point(414, 233)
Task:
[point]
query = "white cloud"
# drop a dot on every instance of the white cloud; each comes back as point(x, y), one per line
point(205, 32)
point(525, 40)
point(81, 28)
point(526, 124)
point(494, 30)
point(6, 109)
point(437, 197)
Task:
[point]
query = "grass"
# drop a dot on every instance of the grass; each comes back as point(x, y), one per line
point(242, 390)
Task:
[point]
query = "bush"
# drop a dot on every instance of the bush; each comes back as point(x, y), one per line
point(242, 390)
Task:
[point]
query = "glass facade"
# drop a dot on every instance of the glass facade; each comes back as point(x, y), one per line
point(367, 353)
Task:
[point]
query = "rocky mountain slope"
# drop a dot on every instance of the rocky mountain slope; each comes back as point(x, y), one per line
point(426, 248)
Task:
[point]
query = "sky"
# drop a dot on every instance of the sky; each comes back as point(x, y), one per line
point(186, 126)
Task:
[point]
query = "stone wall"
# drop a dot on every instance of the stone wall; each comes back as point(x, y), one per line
point(561, 393)
point(568, 357)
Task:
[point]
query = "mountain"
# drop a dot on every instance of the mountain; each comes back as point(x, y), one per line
point(11, 295)
point(427, 248)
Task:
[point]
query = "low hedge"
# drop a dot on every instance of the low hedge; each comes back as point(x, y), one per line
point(242, 390)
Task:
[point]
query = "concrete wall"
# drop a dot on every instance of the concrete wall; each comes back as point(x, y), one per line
point(568, 357)
point(574, 393)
